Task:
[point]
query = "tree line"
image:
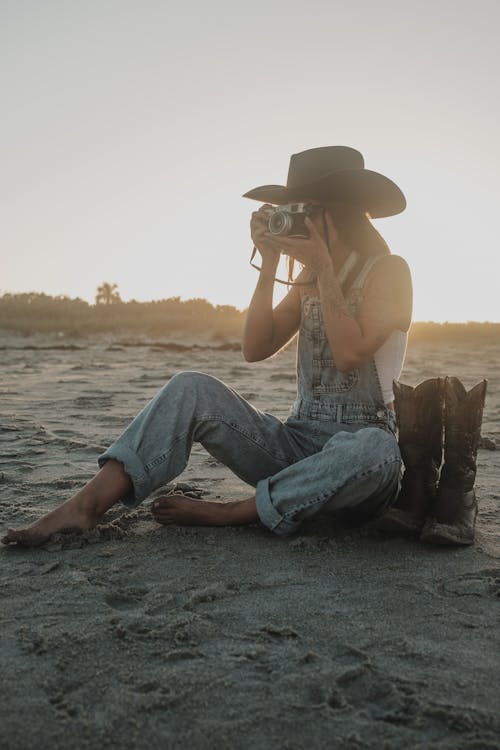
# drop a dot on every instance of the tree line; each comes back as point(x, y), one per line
point(34, 312)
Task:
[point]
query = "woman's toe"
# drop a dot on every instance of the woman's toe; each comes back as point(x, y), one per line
point(162, 510)
point(23, 537)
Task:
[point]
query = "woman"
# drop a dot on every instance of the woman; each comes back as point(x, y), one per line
point(338, 449)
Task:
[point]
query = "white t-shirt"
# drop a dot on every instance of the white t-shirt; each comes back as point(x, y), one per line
point(389, 362)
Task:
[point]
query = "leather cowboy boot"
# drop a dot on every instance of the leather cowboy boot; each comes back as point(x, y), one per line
point(454, 514)
point(419, 413)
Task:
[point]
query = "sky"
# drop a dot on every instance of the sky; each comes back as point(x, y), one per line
point(131, 128)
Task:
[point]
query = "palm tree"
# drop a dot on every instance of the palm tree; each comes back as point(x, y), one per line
point(107, 294)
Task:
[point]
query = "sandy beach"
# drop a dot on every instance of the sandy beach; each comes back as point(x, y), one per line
point(139, 636)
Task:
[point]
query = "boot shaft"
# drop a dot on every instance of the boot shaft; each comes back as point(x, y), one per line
point(463, 416)
point(419, 413)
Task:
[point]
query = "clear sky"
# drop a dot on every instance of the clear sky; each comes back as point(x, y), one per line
point(130, 129)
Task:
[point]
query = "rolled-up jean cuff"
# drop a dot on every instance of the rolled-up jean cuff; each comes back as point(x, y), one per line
point(133, 466)
point(268, 513)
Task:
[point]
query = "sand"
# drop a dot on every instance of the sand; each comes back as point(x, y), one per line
point(140, 636)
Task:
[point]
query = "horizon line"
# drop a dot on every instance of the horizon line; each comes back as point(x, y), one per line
point(240, 310)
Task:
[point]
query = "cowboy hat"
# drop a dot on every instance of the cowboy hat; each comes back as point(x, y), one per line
point(334, 173)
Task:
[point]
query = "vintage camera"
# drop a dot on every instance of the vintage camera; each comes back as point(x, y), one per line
point(289, 219)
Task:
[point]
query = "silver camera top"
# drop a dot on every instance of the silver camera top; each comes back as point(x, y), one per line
point(291, 208)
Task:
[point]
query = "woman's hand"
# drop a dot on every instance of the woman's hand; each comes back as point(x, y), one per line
point(313, 251)
point(261, 237)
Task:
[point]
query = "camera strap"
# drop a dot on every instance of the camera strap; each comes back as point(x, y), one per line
point(280, 281)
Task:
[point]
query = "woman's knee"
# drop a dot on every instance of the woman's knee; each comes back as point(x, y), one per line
point(191, 390)
point(361, 451)
point(383, 459)
point(377, 442)
point(188, 380)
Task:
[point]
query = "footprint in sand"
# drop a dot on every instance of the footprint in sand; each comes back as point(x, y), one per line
point(481, 583)
point(364, 689)
point(126, 599)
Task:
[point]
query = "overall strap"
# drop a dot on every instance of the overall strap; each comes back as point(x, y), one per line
point(348, 267)
point(362, 273)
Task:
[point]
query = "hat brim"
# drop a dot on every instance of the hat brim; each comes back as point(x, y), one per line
point(371, 191)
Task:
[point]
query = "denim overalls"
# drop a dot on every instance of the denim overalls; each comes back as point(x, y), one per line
point(337, 450)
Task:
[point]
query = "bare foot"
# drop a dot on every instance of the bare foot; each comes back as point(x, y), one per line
point(81, 512)
point(67, 517)
point(183, 511)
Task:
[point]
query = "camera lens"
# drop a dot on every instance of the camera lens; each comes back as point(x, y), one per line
point(280, 222)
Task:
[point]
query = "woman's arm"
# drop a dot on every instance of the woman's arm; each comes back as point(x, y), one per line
point(386, 306)
point(267, 330)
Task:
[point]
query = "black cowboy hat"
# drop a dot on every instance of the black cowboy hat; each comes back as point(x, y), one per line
point(334, 173)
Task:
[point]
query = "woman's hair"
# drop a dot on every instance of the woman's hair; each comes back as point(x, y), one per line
point(355, 230)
